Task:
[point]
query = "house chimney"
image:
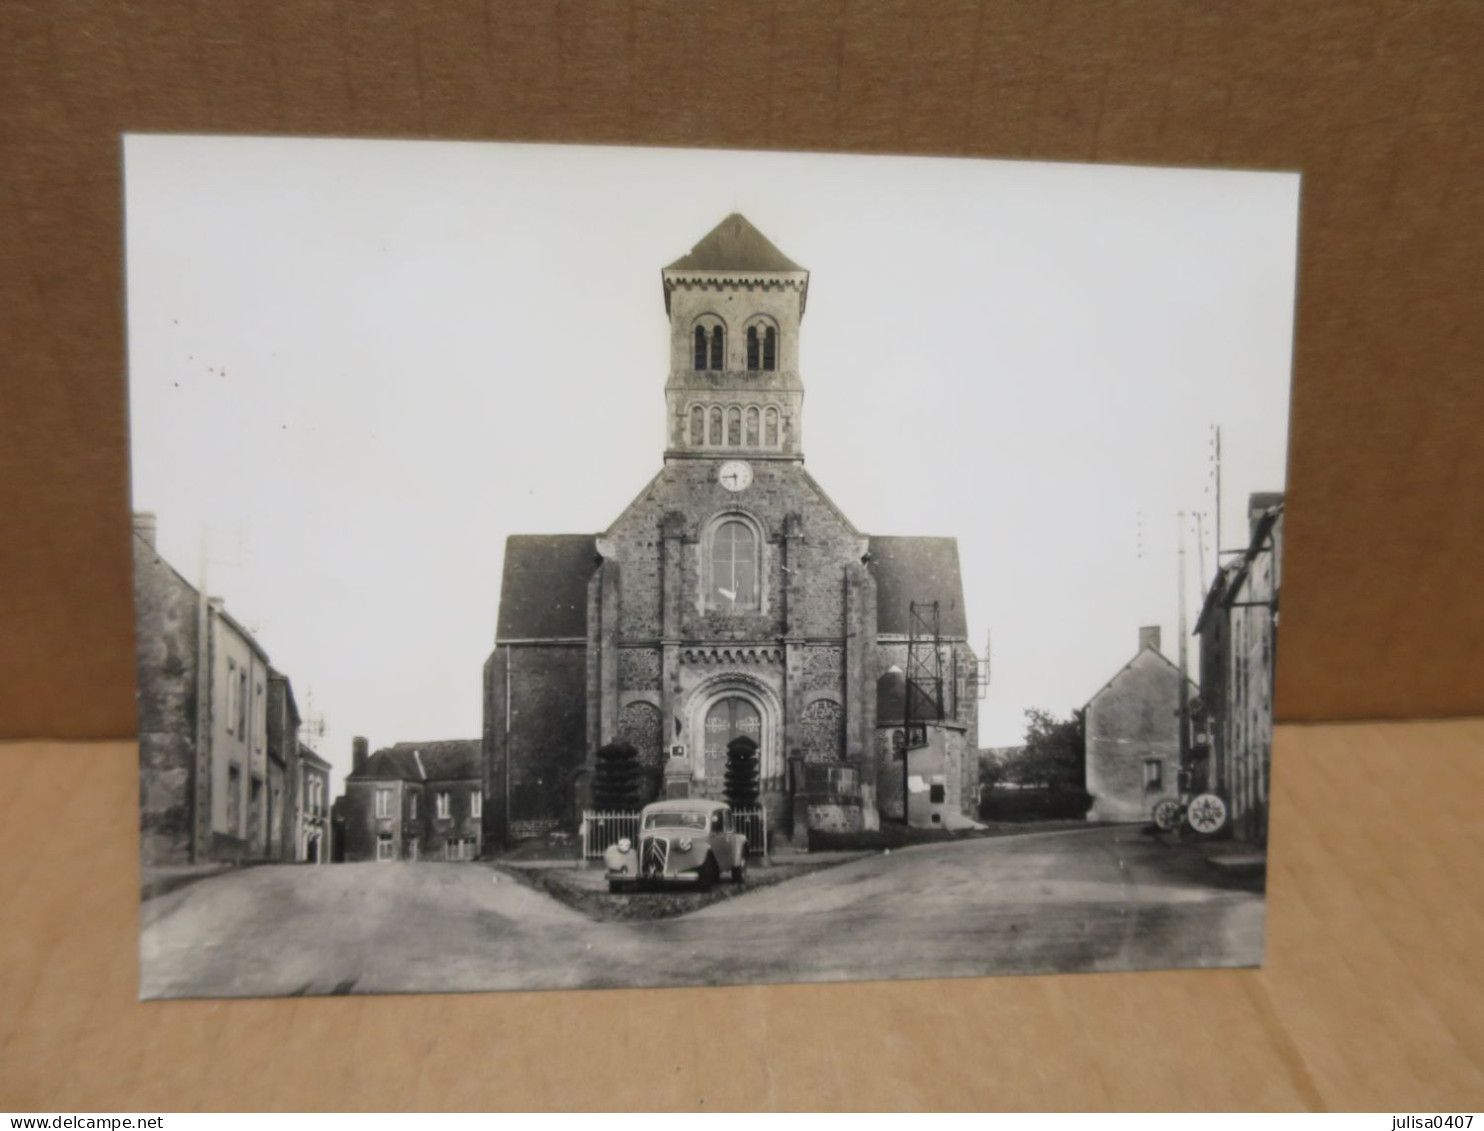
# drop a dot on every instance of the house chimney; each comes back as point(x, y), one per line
point(359, 755)
point(144, 526)
point(1149, 637)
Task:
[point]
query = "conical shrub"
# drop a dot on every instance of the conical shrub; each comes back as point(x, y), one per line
point(741, 782)
point(616, 779)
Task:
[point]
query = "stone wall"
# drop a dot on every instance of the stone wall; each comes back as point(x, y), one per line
point(283, 772)
point(546, 745)
point(166, 609)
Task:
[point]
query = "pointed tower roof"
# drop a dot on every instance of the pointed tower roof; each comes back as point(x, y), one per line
point(737, 252)
point(734, 245)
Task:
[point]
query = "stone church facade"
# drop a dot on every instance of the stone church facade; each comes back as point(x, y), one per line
point(731, 599)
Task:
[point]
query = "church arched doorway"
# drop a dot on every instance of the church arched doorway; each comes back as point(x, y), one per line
point(729, 718)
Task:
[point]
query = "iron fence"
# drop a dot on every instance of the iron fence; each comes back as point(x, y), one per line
point(602, 828)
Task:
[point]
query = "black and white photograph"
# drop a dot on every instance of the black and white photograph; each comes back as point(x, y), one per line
point(501, 625)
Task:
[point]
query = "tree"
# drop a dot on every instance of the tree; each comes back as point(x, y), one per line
point(616, 780)
point(1055, 754)
point(742, 772)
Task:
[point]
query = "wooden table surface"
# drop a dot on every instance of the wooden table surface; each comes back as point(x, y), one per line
point(1372, 996)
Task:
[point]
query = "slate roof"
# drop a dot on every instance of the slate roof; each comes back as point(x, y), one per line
point(308, 755)
point(544, 590)
point(456, 759)
point(734, 245)
point(1195, 688)
point(917, 569)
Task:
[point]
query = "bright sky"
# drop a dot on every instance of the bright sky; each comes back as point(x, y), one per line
point(356, 366)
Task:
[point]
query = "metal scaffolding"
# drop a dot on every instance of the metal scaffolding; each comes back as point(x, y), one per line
point(925, 701)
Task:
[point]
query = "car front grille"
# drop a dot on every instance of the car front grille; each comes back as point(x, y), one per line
point(656, 854)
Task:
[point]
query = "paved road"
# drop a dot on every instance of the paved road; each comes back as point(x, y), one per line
point(1094, 899)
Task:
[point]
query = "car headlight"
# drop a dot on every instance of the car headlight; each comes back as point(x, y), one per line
point(624, 844)
point(685, 844)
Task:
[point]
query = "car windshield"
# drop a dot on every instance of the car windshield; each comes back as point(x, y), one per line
point(675, 821)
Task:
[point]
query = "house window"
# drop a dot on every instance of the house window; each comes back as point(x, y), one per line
point(734, 566)
point(412, 806)
point(383, 803)
point(1153, 773)
point(697, 426)
point(770, 428)
point(476, 804)
point(444, 804)
point(384, 848)
point(937, 794)
point(242, 703)
point(231, 696)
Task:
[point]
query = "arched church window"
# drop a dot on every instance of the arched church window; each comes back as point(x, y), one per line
point(716, 427)
point(770, 348)
point(753, 351)
point(718, 347)
point(734, 567)
point(701, 353)
point(734, 427)
point(752, 422)
point(770, 428)
point(697, 426)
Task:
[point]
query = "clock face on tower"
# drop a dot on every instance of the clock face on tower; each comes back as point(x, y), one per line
point(734, 475)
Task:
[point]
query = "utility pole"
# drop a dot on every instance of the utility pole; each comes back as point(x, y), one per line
point(1200, 551)
point(1184, 712)
point(1216, 457)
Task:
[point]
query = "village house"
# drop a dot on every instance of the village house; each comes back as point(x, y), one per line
point(1238, 630)
point(203, 715)
point(312, 835)
point(414, 801)
point(732, 601)
point(1133, 735)
point(283, 724)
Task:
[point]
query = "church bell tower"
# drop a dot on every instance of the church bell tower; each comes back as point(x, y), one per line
point(735, 304)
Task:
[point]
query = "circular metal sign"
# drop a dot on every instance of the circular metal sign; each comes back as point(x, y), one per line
point(1207, 813)
point(1167, 815)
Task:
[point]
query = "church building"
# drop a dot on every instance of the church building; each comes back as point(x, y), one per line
point(732, 599)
